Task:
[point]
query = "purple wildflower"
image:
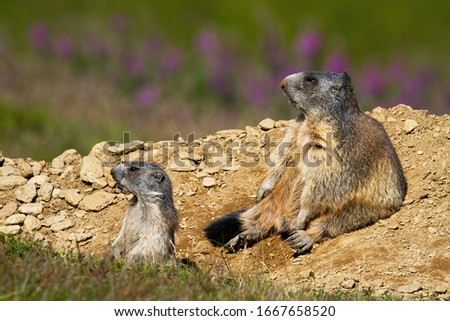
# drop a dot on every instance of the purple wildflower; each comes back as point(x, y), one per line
point(206, 41)
point(38, 35)
point(146, 96)
point(63, 47)
point(133, 65)
point(172, 61)
point(309, 43)
point(372, 81)
point(336, 63)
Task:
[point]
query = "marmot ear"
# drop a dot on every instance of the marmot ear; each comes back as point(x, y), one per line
point(346, 78)
point(158, 175)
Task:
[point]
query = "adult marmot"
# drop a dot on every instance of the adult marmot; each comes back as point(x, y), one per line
point(337, 172)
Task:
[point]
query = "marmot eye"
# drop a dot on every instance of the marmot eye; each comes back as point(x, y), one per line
point(133, 169)
point(311, 80)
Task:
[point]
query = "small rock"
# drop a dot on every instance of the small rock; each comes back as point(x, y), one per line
point(348, 284)
point(410, 288)
point(379, 114)
point(267, 124)
point(91, 169)
point(31, 223)
point(183, 166)
point(440, 289)
point(410, 125)
point(10, 229)
point(432, 230)
point(419, 152)
point(71, 196)
point(38, 180)
point(36, 168)
point(99, 183)
point(58, 162)
point(8, 170)
point(10, 182)
point(380, 292)
point(15, 219)
point(49, 221)
point(26, 193)
point(67, 172)
point(25, 169)
point(38, 236)
point(8, 209)
point(96, 201)
point(32, 208)
point(109, 179)
point(209, 182)
point(46, 191)
point(61, 226)
point(71, 236)
point(126, 148)
point(71, 156)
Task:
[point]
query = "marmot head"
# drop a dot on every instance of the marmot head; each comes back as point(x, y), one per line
point(321, 94)
point(142, 179)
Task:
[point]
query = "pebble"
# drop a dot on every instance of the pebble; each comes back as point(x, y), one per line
point(25, 169)
point(71, 196)
point(126, 147)
point(8, 209)
point(410, 288)
point(36, 168)
point(96, 201)
point(31, 223)
point(49, 221)
point(32, 208)
point(10, 182)
point(61, 226)
point(8, 170)
point(209, 182)
point(38, 180)
point(410, 125)
point(58, 162)
point(185, 166)
point(15, 219)
point(91, 169)
point(348, 284)
point(440, 289)
point(10, 229)
point(71, 236)
point(267, 124)
point(46, 191)
point(26, 193)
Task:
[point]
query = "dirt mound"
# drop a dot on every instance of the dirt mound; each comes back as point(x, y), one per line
point(73, 200)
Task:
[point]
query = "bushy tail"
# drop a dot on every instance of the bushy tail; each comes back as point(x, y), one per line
point(222, 230)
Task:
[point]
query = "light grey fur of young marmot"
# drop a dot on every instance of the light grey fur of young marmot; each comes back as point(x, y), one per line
point(147, 233)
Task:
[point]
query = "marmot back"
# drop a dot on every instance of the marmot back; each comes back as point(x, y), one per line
point(348, 174)
point(148, 229)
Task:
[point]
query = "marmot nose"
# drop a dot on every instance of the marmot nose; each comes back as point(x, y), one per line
point(284, 83)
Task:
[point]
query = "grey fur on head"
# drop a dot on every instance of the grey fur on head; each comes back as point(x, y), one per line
point(148, 229)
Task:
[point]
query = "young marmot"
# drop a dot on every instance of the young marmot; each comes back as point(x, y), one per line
point(148, 229)
point(338, 171)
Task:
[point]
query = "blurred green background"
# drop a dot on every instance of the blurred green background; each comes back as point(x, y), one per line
point(73, 73)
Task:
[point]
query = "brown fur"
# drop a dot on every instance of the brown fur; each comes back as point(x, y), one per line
point(340, 173)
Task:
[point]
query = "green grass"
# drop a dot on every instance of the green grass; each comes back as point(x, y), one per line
point(32, 271)
point(26, 129)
